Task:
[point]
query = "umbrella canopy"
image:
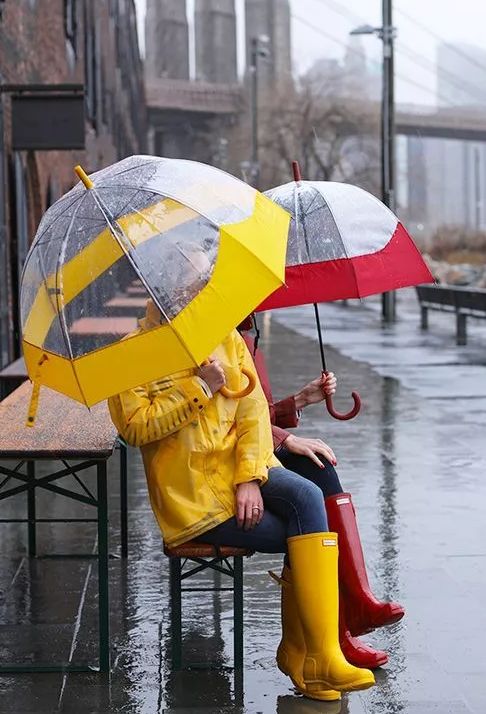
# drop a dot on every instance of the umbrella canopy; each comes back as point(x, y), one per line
point(205, 247)
point(343, 243)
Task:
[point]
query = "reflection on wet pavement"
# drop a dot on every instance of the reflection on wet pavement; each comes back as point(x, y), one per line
point(415, 466)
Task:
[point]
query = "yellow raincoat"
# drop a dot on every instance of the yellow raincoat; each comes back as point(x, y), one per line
point(196, 448)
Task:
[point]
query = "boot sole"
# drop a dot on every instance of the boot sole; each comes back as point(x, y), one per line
point(358, 684)
point(321, 694)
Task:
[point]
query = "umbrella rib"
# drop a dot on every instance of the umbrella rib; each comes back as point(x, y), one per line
point(177, 200)
point(127, 171)
point(111, 222)
point(59, 287)
point(38, 238)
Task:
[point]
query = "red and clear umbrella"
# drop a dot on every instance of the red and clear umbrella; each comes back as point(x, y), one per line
point(343, 243)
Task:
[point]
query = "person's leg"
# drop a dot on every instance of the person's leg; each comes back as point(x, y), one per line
point(327, 478)
point(268, 536)
point(364, 612)
point(296, 500)
point(312, 578)
point(355, 651)
point(293, 506)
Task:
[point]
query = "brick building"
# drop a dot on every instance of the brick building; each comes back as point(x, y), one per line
point(88, 42)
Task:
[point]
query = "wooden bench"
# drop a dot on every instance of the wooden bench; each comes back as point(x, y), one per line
point(205, 557)
point(136, 289)
point(90, 333)
point(12, 376)
point(463, 301)
point(70, 439)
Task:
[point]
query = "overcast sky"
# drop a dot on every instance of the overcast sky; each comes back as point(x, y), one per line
point(458, 22)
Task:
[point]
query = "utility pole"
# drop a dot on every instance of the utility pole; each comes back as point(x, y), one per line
point(388, 300)
point(258, 48)
point(255, 167)
point(387, 34)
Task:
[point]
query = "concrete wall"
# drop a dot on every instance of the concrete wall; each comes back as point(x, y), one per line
point(166, 39)
point(215, 40)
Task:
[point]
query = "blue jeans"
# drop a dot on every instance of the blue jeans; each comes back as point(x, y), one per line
point(326, 478)
point(293, 506)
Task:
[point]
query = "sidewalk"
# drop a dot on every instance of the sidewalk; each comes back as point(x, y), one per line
point(414, 461)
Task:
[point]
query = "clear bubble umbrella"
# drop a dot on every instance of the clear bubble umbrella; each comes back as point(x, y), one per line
point(202, 246)
point(343, 243)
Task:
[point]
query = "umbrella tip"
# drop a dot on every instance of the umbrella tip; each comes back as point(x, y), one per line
point(83, 176)
point(296, 171)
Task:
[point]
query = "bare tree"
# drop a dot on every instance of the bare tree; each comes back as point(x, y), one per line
point(334, 136)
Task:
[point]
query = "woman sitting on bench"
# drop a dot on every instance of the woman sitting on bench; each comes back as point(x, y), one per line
point(212, 476)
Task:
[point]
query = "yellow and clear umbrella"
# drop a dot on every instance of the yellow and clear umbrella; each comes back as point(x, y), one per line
point(203, 246)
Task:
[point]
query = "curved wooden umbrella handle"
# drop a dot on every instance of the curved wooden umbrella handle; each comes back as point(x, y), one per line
point(344, 417)
point(337, 415)
point(229, 394)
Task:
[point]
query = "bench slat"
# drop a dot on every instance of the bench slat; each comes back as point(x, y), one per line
point(194, 549)
point(63, 428)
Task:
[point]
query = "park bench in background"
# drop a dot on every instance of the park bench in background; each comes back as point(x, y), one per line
point(69, 439)
point(90, 333)
point(126, 306)
point(200, 557)
point(463, 301)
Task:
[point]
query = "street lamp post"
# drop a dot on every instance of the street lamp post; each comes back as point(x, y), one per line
point(387, 35)
point(258, 48)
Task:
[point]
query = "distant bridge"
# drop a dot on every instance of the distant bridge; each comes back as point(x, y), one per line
point(464, 123)
point(202, 99)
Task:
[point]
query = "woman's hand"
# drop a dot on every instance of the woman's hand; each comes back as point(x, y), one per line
point(316, 390)
point(309, 448)
point(213, 375)
point(249, 505)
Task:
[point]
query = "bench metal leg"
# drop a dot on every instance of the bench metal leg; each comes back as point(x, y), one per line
point(124, 500)
point(175, 566)
point(238, 611)
point(461, 336)
point(103, 585)
point(31, 510)
point(424, 318)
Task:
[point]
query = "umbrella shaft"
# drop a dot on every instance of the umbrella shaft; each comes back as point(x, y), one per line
point(319, 333)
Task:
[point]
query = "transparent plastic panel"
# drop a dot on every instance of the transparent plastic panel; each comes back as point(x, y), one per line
point(103, 313)
point(173, 248)
point(313, 233)
point(218, 196)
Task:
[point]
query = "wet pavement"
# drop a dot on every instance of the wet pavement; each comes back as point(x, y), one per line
point(414, 460)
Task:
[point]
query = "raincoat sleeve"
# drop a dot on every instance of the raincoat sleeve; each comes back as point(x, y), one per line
point(284, 413)
point(279, 435)
point(151, 412)
point(255, 444)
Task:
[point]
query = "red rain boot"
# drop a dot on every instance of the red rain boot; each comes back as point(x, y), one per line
point(355, 651)
point(362, 610)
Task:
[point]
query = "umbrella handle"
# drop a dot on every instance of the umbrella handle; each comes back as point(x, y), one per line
point(229, 394)
point(338, 415)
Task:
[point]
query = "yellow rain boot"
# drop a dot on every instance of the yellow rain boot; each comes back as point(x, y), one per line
point(314, 564)
point(291, 650)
